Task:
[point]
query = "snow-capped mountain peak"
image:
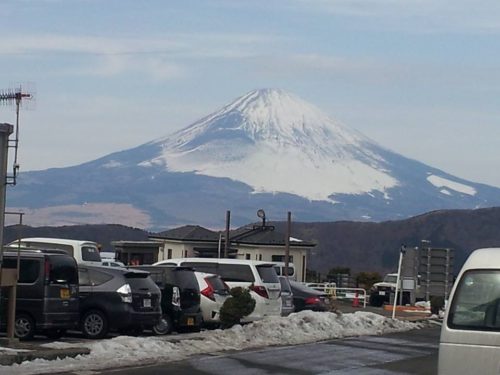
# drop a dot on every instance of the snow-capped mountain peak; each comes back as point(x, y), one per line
point(276, 142)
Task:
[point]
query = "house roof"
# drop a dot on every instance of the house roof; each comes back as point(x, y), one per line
point(264, 235)
point(254, 235)
point(188, 233)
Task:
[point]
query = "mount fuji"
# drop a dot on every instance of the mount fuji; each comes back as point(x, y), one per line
point(267, 149)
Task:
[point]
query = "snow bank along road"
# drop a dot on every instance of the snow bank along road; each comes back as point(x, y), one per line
point(298, 328)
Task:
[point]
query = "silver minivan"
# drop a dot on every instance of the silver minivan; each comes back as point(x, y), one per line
point(470, 335)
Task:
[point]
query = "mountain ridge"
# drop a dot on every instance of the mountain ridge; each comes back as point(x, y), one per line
point(360, 246)
point(195, 176)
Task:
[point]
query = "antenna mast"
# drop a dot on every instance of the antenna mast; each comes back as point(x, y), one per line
point(14, 96)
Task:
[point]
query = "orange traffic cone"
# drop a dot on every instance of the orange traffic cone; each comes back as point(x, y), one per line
point(355, 301)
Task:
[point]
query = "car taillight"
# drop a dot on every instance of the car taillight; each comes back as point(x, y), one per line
point(125, 293)
point(176, 296)
point(209, 290)
point(260, 290)
point(312, 300)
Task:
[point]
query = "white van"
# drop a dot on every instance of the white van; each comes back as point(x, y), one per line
point(83, 251)
point(470, 335)
point(259, 277)
point(280, 269)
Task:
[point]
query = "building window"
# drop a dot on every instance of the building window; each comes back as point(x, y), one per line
point(260, 256)
point(169, 254)
point(185, 253)
point(281, 258)
point(247, 256)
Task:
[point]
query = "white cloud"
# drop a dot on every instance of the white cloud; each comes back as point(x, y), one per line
point(419, 16)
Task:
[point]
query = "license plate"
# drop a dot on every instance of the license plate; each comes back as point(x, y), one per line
point(381, 293)
point(146, 302)
point(190, 321)
point(64, 293)
point(288, 303)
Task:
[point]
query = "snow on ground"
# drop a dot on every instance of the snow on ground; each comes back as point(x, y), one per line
point(298, 328)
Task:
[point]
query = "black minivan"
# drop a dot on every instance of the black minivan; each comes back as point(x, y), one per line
point(180, 298)
point(47, 293)
point(115, 298)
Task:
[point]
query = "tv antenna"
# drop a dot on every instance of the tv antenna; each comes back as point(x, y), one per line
point(8, 97)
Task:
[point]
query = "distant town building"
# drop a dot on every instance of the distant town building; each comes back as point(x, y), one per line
point(254, 242)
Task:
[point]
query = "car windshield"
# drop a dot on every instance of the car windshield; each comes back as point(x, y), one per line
point(217, 284)
point(304, 288)
point(268, 274)
point(90, 254)
point(476, 302)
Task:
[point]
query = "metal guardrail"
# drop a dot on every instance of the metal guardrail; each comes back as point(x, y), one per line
point(340, 293)
point(352, 293)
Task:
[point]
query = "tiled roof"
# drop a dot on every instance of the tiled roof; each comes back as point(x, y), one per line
point(189, 233)
point(264, 235)
point(256, 234)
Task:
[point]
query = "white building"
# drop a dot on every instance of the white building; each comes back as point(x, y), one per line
point(255, 242)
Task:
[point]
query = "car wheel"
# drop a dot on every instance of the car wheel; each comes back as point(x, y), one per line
point(94, 324)
point(24, 327)
point(164, 326)
point(55, 334)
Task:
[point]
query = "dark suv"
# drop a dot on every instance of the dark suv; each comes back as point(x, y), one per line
point(180, 300)
point(113, 298)
point(47, 292)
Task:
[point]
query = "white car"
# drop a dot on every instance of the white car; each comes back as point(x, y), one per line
point(112, 263)
point(259, 277)
point(213, 293)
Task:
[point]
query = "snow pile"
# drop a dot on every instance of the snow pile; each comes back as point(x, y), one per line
point(298, 328)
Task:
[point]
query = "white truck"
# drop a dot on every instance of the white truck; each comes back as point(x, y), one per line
point(380, 292)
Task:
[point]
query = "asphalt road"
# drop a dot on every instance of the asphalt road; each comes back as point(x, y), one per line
point(413, 352)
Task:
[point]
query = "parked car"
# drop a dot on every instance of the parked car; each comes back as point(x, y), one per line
point(113, 298)
point(213, 293)
point(259, 277)
point(287, 305)
point(380, 293)
point(306, 298)
point(280, 269)
point(83, 251)
point(112, 263)
point(469, 342)
point(180, 298)
point(47, 292)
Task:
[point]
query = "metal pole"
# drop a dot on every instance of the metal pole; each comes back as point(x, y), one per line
point(226, 241)
point(5, 131)
point(397, 281)
point(287, 241)
point(218, 248)
point(11, 314)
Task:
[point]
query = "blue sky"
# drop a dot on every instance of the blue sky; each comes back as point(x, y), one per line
point(420, 77)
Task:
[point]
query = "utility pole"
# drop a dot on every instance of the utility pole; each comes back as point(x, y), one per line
point(226, 240)
point(287, 241)
point(9, 96)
